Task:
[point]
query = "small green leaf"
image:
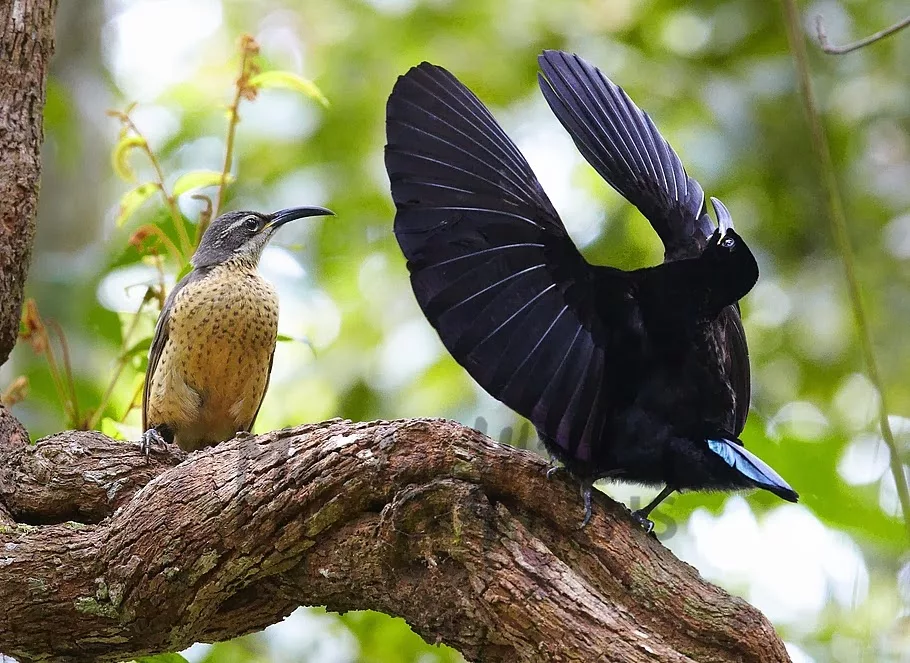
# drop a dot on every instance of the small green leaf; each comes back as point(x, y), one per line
point(198, 179)
point(284, 338)
point(119, 157)
point(140, 348)
point(133, 200)
point(111, 428)
point(162, 658)
point(289, 81)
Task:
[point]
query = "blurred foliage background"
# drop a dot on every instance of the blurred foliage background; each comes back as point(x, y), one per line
point(718, 79)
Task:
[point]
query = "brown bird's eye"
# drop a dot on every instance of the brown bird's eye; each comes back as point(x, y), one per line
point(728, 242)
point(251, 223)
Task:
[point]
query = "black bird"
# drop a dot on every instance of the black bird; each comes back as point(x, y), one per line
point(639, 376)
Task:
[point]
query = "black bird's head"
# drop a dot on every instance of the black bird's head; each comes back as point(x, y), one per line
point(733, 266)
point(243, 235)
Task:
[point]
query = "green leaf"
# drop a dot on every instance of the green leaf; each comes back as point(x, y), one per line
point(289, 81)
point(111, 428)
point(162, 658)
point(133, 200)
point(140, 348)
point(119, 156)
point(284, 338)
point(198, 179)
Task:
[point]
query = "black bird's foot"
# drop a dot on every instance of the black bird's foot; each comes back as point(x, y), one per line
point(643, 520)
point(641, 516)
point(151, 438)
point(589, 511)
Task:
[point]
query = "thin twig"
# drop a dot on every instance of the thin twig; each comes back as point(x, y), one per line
point(132, 404)
point(151, 228)
point(68, 369)
point(121, 365)
point(170, 200)
point(827, 47)
point(56, 377)
point(839, 227)
point(248, 49)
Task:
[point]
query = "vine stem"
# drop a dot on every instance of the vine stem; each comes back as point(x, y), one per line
point(839, 227)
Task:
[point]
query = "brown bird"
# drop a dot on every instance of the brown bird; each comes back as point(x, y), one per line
point(211, 355)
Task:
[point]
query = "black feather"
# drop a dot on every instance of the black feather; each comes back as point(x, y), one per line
point(624, 374)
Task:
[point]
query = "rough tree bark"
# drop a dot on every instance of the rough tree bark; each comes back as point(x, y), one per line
point(463, 537)
point(105, 554)
point(26, 45)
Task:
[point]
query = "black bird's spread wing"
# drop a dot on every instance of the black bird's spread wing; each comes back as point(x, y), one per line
point(622, 144)
point(491, 264)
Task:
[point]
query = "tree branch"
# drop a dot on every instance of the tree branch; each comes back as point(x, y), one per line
point(26, 45)
point(831, 49)
point(464, 538)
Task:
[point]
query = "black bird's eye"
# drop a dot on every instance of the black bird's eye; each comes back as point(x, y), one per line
point(251, 223)
point(727, 242)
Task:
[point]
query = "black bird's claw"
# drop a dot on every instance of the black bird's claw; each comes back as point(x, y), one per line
point(151, 438)
point(589, 511)
point(644, 521)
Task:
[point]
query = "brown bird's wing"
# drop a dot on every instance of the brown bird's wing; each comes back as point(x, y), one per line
point(264, 392)
point(159, 340)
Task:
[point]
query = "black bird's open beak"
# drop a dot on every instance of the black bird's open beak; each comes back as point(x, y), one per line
point(292, 214)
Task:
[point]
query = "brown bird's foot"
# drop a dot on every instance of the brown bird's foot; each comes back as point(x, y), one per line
point(554, 467)
point(151, 438)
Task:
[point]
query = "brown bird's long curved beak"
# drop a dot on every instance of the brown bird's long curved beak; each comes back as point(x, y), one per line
point(292, 214)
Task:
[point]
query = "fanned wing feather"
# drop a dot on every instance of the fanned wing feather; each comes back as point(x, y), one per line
point(491, 264)
point(621, 142)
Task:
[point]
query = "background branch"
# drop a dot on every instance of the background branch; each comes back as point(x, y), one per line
point(838, 222)
point(464, 538)
point(827, 47)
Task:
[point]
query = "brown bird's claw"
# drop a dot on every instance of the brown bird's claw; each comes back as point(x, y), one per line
point(554, 466)
point(151, 438)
